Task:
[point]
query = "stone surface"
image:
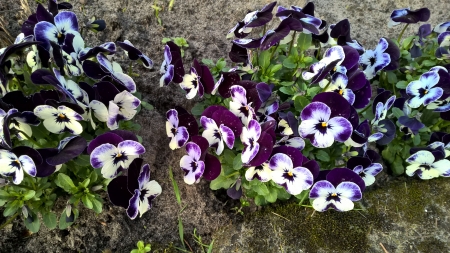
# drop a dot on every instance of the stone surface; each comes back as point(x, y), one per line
point(204, 24)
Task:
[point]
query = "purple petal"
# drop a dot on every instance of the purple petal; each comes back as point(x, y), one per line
point(43, 15)
point(228, 135)
point(118, 193)
point(407, 16)
point(134, 170)
point(294, 154)
point(212, 167)
point(341, 128)
point(280, 161)
point(193, 150)
point(66, 21)
point(362, 96)
point(339, 175)
point(266, 146)
point(350, 191)
point(45, 32)
point(339, 106)
point(358, 160)
point(93, 70)
point(202, 142)
point(44, 169)
point(313, 167)
point(133, 206)
point(234, 193)
point(389, 135)
point(71, 150)
point(316, 111)
point(109, 137)
point(321, 189)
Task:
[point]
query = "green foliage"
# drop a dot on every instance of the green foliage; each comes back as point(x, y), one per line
point(179, 41)
point(142, 247)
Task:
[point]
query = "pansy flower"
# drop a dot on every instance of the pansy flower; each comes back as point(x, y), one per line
point(310, 23)
point(253, 19)
point(442, 27)
point(107, 48)
point(14, 162)
point(167, 69)
point(191, 164)
point(134, 192)
point(372, 61)
point(339, 189)
point(422, 91)
point(338, 84)
point(294, 180)
point(332, 58)
point(135, 54)
point(295, 142)
point(408, 17)
point(116, 73)
point(145, 190)
point(322, 129)
point(55, 30)
point(263, 114)
point(192, 84)
point(444, 39)
point(60, 119)
point(239, 105)
point(179, 134)
point(114, 158)
point(257, 144)
point(261, 172)
point(273, 37)
point(364, 168)
point(216, 135)
point(424, 164)
point(123, 107)
point(19, 121)
point(382, 108)
point(92, 107)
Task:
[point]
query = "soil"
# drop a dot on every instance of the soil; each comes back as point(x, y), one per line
point(204, 25)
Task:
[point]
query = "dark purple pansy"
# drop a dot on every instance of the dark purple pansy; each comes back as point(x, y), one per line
point(212, 163)
point(408, 16)
point(115, 71)
point(235, 191)
point(333, 57)
point(310, 23)
point(258, 144)
point(226, 80)
point(273, 37)
point(106, 48)
point(135, 54)
point(365, 168)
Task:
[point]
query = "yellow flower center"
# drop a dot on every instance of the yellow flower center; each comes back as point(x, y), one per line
point(334, 194)
point(59, 35)
point(290, 174)
point(17, 161)
point(119, 155)
point(324, 124)
point(341, 92)
point(62, 116)
point(426, 92)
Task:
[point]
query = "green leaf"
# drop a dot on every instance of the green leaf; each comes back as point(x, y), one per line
point(65, 182)
point(35, 225)
point(406, 44)
point(221, 182)
point(175, 186)
point(313, 91)
point(147, 105)
point(416, 140)
point(300, 102)
point(402, 84)
point(237, 162)
point(10, 208)
point(275, 68)
point(82, 160)
point(264, 59)
point(304, 41)
point(392, 78)
point(322, 156)
point(208, 62)
point(29, 195)
point(49, 219)
point(181, 230)
point(2, 202)
point(198, 109)
point(397, 112)
point(428, 63)
point(260, 200)
point(397, 166)
point(221, 63)
point(271, 197)
point(87, 202)
point(290, 62)
point(287, 90)
point(261, 189)
point(97, 205)
point(287, 83)
point(93, 177)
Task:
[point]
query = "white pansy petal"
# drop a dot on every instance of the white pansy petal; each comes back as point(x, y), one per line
point(249, 152)
point(18, 176)
point(320, 204)
point(421, 157)
point(109, 169)
point(238, 94)
point(99, 109)
point(368, 179)
point(428, 173)
point(280, 161)
point(443, 166)
point(74, 127)
point(322, 140)
point(53, 126)
point(113, 112)
point(130, 147)
point(5, 162)
point(412, 169)
point(308, 127)
point(227, 135)
point(349, 190)
point(321, 189)
point(45, 111)
point(28, 165)
point(343, 205)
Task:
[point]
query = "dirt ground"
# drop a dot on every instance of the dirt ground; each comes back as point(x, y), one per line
point(204, 25)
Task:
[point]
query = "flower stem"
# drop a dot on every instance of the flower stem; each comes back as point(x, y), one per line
point(29, 138)
point(273, 52)
point(365, 109)
point(9, 220)
point(401, 33)
point(292, 42)
point(130, 70)
point(232, 174)
point(264, 30)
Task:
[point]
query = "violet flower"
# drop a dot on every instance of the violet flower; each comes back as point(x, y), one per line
point(179, 134)
point(442, 27)
point(422, 91)
point(14, 162)
point(240, 106)
point(123, 107)
point(191, 164)
point(135, 54)
point(424, 164)
point(167, 69)
point(373, 61)
point(115, 71)
point(60, 119)
point(253, 19)
point(107, 48)
point(364, 168)
point(338, 84)
point(444, 39)
point(408, 17)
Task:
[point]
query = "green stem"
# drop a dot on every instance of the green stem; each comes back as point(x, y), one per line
point(326, 87)
point(130, 70)
point(318, 52)
point(9, 220)
point(274, 50)
point(264, 30)
point(232, 174)
point(365, 109)
point(401, 33)
point(29, 138)
point(292, 42)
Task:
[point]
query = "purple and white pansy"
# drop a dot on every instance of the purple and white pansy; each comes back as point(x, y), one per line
point(338, 84)
point(249, 137)
point(113, 158)
point(239, 104)
point(56, 30)
point(191, 164)
point(341, 197)
point(333, 57)
point(322, 129)
point(408, 16)
point(134, 192)
point(364, 168)
point(14, 162)
point(217, 135)
point(146, 191)
point(60, 119)
point(192, 85)
point(179, 134)
point(372, 61)
point(167, 68)
point(425, 165)
point(262, 172)
point(423, 91)
point(135, 54)
point(294, 180)
point(116, 73)
point(123, 107)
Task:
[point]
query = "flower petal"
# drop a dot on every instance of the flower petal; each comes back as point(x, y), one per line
point(130, 148)
point(349, 190)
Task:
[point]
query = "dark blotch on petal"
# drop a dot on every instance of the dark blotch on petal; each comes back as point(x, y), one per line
point(339, 175)
point(118, 193)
